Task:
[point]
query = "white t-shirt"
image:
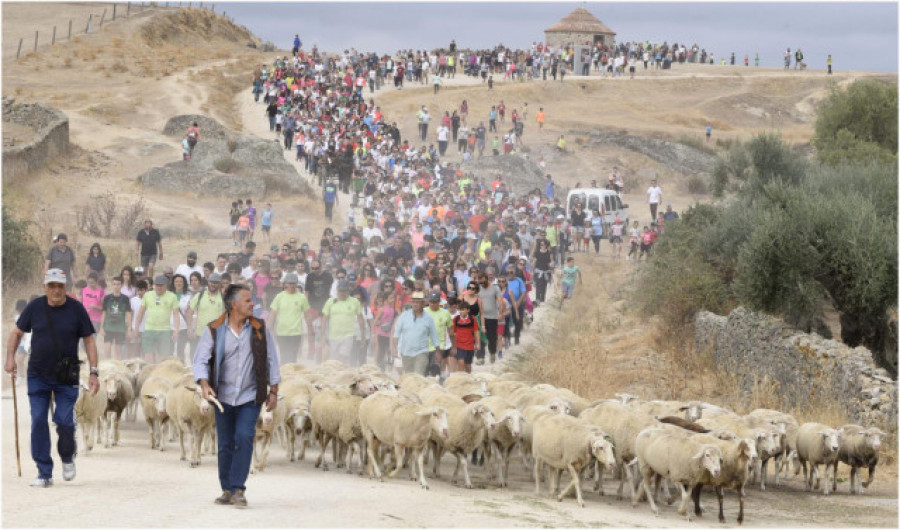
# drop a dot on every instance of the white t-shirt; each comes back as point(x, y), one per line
point(655, 194)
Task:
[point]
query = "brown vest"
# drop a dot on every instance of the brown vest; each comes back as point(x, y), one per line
point(258, 349)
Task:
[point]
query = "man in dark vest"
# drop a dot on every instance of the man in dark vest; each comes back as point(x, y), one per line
point(237, 363)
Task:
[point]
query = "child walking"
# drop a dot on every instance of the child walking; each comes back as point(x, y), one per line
point(571, 272)
point(468, 338)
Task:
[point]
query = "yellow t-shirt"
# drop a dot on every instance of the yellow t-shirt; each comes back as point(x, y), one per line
point(158, 310)
point(290, 308)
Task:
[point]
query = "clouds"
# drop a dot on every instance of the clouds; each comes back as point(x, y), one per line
point(860, 36)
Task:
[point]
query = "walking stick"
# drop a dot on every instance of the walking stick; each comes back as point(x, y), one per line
point(16, 420)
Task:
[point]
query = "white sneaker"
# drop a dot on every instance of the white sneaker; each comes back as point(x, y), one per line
point(68, 471)
point(42, 483)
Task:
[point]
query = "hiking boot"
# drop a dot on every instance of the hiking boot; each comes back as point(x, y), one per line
point(238, 499)
point(493, 358)
point(68, 470)
point(42, 483)
point(225, 498)
point(479, 362)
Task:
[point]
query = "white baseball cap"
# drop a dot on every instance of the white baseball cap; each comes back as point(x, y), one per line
point(55, 276)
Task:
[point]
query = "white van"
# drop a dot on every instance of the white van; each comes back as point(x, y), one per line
point(609, 203)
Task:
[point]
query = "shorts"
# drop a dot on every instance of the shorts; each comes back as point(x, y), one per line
point(234, 228)
point(342, 350)
point(631, 68)
point(446, 354)
point(157, 341)
point(277, 127)
point(465, 356)
point(616, 239)
point(568, 289)
point(146, 261)
point(266, 228)
point(501, 327)
point(579, 229)
point(114, 337)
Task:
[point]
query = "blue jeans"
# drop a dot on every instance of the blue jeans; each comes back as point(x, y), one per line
point(235, 429)
point(39, 395)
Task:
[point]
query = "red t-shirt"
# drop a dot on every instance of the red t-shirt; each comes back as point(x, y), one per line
point(465, 329)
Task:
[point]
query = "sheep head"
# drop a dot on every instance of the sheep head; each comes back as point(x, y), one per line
point(480, 410)
point(514, 420)
point(873, 438)
point(746, 450)
point(201, 403)
point(559, 406)
point(110, 386)
point(601, 446)
point(710, 458)
point(297, 419)
point(437, 420)
point(830, 439)
point(363, 386)
point(159, 403)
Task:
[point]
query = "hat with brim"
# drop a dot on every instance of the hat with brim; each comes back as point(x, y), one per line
point(161, 280)
point(418, 296)
point(55, 276)
point(291, 278)
point(214, 278)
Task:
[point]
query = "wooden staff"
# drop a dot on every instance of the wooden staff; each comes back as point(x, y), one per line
point(16, 420)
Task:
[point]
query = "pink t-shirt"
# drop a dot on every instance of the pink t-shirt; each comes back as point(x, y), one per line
point(93, 297)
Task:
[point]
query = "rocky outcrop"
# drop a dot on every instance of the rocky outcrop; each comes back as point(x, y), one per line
point(51, 138)
point(225, 164)
point(520, 173)
point(802, 368)
point(680, 157)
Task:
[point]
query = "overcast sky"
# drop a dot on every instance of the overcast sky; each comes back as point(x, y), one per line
point(860, 36)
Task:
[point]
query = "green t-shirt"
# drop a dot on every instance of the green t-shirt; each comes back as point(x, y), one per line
point(115, 308)
point(342, 321)
point(159, 310)
point(290, 308)
point(570, 274)
point(443, 322)
point(206, 308)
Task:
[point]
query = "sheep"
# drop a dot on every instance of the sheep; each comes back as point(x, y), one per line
point(389, 418)
point(680, 459)
point(737, 456)
point(89, 411)
point(767, 436)
point(816, 444)
point(622, 423)
point(119, 394)
point(790, 425)
point(298, 393)
point(288, 369)
point(335, 416)
point(414, 382)
point(359, 384)
point(504, 388)
point(531, 414)
point(468, 426)
point(462, 384)
point(267, 424)
point(563, 442)
point(190, 412)
point(858, 447)
point(504, 437)
point(153, 403)
point(690, 409)
point(525, 397)
point(134, 366)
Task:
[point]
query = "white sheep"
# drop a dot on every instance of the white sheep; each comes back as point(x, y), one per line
point(298, 393)
point(503, 437)
point(563, 442)
point(394, 420)
point(681, 459)
point(119, 393)
point(153, 403)
point(504, 388)
point(531, 414)
point(767, 436)
point(468, 425)
point(268, 423)
point(689, 410)
point(622, 423)
point(858, 448)
point(788, 425)
point(816, 444)
point(412, 382)
point(335, 417)
point(737, 456)
point(89, 411)
point(190, 413)
point(463, 384)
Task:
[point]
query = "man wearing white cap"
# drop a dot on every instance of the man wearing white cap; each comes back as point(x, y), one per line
point(56, 323)
point(412, 333)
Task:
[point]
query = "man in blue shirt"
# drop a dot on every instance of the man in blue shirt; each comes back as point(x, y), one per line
point(549, 188)
point(517, 290)
point(412, 332)
point(237, 363)
point(297, 44)
point(329, 194)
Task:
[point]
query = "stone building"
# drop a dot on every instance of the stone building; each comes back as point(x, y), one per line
point(578, 28)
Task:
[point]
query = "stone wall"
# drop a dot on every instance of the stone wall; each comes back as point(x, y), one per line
point(558, 40)
point(800, 368)
point(51, 138)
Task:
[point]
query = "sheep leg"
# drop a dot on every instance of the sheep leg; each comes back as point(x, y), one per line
point(488, 456)
point(292, 445)
point(695, 496)
point(398, 458)
point(373, 446)
point(685, 496)
point(304, 443)
point(870, 479)
point(813, 476)
point(351, 447)
point(266, 445)
point(824, 478)
point(436, 454)
point(537, 476)
point(576, 483)
point(107, 434)
point(764, 471)
point(117, 416)
point(504, 466)
point(740, 491)
point(669, 498)
point(196, 440)
point(420, 462)
point(834, 478)
point(181, 441)
point(646, 474)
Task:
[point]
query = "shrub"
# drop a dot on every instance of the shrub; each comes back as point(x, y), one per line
point(228, 165)
point(858, 123)
point(106, 216)
point(21, 255)
point(771, 159)
point(697, 185)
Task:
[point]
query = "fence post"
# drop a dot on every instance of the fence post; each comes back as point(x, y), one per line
point(35, 40)
point(20, 48)
point(102, 18)
point(70, 29)
point(53, 40)
point(114, 12)
point(87, 28)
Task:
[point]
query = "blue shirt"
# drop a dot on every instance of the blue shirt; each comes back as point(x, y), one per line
point(70, 324)
point(414, 333)
point(516, 288)
point(597, 226)
point(548, 190)
point(236, 382)
point(266, 217)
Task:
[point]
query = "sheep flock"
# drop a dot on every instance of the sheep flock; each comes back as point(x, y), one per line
point(377, 425)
